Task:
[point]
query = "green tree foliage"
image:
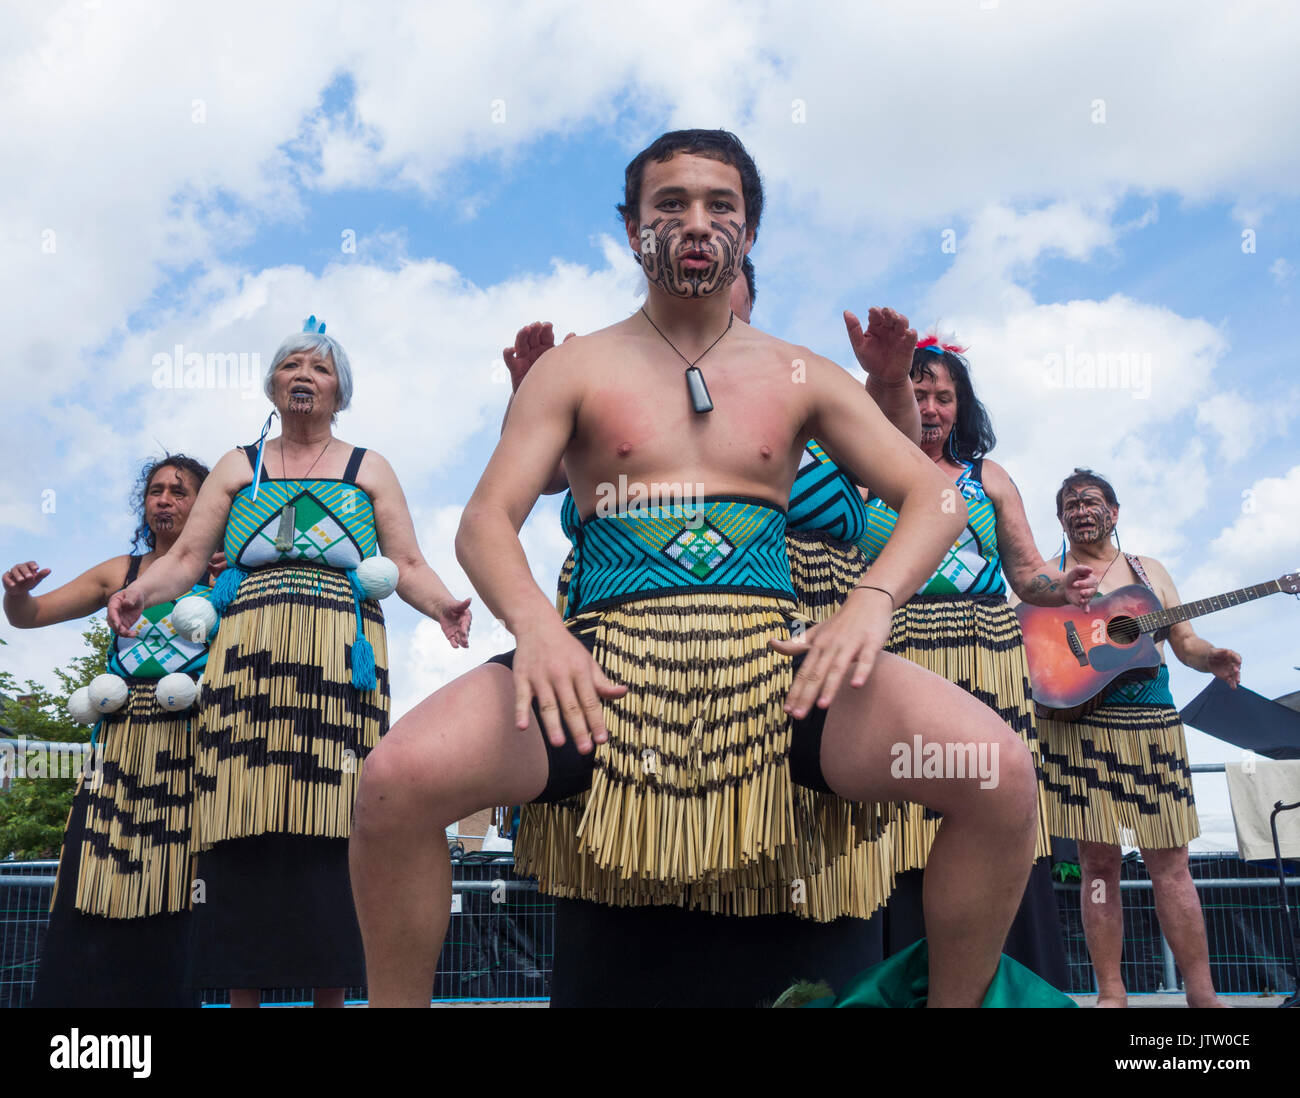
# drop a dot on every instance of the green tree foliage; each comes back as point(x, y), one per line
point(34, 811)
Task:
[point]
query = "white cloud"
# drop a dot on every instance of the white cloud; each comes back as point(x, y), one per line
point(1282, 271)
point(103, 147)
point(1243, 426)
point(1100, 384)
point(1262, 540)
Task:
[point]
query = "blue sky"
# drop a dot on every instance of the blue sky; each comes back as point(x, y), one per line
point(198, 177)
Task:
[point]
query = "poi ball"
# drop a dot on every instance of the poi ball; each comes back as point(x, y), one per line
point(107, 693)
point(79, 707)
point(377, 576)
point(193, 618)
point(176, 691)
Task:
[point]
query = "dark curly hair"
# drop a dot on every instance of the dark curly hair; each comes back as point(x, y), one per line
point(716, 145)
point(748, 268)
point(1085, 478)
point(972, 433)
point(143, 536)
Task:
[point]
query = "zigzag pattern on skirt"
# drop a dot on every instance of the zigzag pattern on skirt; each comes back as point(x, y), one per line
point(282, 732)
point(135, 856)
point(1120, 775)
point(977, 645)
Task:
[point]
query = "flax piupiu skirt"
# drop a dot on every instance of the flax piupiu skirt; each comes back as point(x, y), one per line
point(1120, 775)
point(93, 961)
point(118, 924)
point(283, 734)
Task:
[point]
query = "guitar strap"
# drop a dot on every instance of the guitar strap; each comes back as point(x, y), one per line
point(1135, 562)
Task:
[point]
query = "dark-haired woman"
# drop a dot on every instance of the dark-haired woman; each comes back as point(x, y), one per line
point(118, 925)
point(959, 625)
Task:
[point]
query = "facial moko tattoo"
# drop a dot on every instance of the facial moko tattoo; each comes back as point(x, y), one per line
point(690, 268)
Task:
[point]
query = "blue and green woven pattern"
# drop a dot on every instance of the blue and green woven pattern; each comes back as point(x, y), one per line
point(824, 501)
point(158, 649)
point(1146, 692)
point(717, 545)
point(570, 520)
point(972, 566)
point(334, 524)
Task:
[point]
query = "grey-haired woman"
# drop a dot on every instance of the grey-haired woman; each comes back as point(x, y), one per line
point(296, 692)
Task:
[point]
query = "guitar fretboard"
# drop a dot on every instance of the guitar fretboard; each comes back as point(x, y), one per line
point(1159, 619)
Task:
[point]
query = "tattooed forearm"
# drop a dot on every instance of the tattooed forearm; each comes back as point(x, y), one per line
point(1041, 583)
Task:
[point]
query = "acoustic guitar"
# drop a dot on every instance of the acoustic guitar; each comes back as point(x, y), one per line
point(1078, 656)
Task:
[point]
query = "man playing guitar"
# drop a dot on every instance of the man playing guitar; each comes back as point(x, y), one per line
point(1119, 774)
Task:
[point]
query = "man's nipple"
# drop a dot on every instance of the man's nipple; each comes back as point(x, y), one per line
point(624, 448)
point(765, 450)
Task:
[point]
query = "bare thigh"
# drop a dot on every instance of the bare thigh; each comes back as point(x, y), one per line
point(459, 751)
point(871, 728)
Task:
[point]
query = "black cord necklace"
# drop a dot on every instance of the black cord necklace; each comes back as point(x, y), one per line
point(695, 387)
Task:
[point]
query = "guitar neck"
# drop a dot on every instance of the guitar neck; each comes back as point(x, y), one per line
point(1160, 619)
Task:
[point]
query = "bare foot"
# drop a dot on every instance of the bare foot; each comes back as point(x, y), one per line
point(1212, 1001)
point(1111, 1001)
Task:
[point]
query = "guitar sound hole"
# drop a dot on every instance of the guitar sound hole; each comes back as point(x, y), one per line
point(1122, 630)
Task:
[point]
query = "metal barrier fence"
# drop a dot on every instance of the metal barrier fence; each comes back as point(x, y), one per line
point(498, 944)
point(25, 890)
point(1243, 924)
point(499, 941)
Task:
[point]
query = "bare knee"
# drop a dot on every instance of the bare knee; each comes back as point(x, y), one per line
point(1099, 860)
point(1010, 781)
point(1000, 783)
point(395, 793)
point(1167, 866)
point(1018, 776)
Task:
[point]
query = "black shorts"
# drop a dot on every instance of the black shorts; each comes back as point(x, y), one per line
point(569, 771)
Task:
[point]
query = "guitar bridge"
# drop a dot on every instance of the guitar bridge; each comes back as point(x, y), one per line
point(1076, 645)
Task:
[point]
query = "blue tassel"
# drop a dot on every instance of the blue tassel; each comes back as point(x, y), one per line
point(363, 656)
point(363, 664)
point(226, 588)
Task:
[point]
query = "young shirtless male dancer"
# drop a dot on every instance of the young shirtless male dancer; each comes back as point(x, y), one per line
point(713, 823)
